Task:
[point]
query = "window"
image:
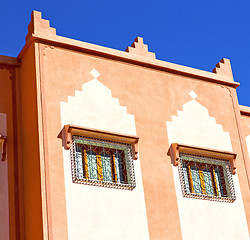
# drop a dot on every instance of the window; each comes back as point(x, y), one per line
point(204, 173)
point(3, 141)
point(206, 177)
point(102, 163)
point(99, 157)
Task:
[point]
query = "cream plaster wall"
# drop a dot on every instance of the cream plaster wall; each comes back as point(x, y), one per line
point(96, 212)
point(204, 219)
point(4, 203)
point(248, 144)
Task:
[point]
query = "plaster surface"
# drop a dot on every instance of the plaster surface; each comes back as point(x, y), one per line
point(204, 219)
point(145, 93)
point(97, 212)
point(4, 200)
point(47, 33)
point(248, 144)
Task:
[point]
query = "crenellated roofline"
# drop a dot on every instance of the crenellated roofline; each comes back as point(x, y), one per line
point(41, 32)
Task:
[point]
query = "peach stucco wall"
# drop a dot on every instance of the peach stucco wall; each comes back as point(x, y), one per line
point(7, 178)
point(194, 126)
point(246, 130)
point(108, 213)
point(153, 97)
point(29, 165)
point(46, 86)
point(248, 144)
point(4, 198)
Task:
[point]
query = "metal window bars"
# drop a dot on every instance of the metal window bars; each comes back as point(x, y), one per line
point(102, 163)
point(206, 178)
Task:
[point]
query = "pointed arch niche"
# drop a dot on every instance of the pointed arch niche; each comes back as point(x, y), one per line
point(95, 108)
point(194, 126)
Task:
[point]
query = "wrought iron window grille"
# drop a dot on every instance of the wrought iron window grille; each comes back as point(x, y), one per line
point(103, 163)
point(206, 177)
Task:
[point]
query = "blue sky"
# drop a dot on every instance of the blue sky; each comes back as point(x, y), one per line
point(191, 33)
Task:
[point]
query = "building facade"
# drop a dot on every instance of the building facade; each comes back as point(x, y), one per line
point(98, 143)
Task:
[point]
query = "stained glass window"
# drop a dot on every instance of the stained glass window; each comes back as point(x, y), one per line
point(102, 163)
point(206, 178)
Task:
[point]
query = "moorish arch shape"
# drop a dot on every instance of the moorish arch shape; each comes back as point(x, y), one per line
point(194, 126)
point(94, 107)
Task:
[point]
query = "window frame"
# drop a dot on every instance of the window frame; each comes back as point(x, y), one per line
point(205, 162)
point(209, 158)
point(97, 182)
point(71, 132)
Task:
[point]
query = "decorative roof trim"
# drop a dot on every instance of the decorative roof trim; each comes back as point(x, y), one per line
point(139, 48)
point(117, 55)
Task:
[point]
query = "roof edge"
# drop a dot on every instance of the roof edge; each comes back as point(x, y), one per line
point(244, 110)
point(11, 61)
point(118, 55)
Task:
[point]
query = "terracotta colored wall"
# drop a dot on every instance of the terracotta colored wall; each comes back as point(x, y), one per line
point(195, 126)
point(245, 119)
point(31, 211)
point(4, 193)
point(113, 212)
point(8, 182)
point(153, 97)
point(31, 98)
point(60, 81)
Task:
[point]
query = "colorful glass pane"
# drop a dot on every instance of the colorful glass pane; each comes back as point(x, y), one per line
point(103, 161)
point(207, 177)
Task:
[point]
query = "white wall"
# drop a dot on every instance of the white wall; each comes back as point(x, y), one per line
point(248, 144)
point(4, 203)
point(204, 219)
point(97, 212)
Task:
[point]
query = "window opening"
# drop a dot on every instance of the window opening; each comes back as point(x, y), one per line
point(102, 163)
point(206, 178)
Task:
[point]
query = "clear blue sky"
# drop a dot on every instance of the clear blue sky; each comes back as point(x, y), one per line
point(191, 33)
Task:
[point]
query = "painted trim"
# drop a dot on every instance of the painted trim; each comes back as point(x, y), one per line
point(69, 130)
point(176, 148)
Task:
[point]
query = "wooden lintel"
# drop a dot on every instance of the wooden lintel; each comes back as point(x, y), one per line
point(69, 130)
point(176, 148)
